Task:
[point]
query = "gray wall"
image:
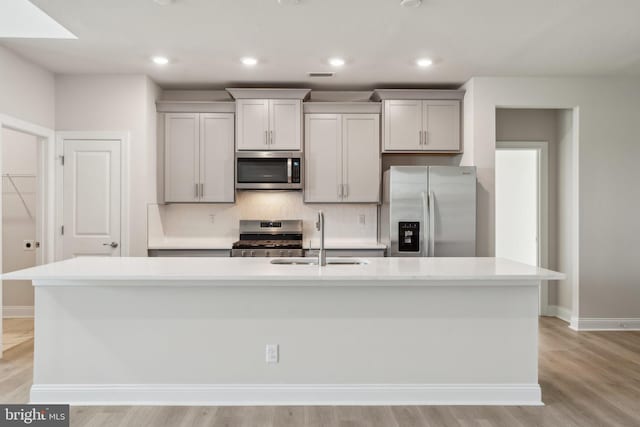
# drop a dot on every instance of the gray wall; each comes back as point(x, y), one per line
point(607, 130)
point(117, 103)
point(26, 90)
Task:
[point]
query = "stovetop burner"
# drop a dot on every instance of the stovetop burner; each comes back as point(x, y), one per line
point(268, 244)
point(269, 238)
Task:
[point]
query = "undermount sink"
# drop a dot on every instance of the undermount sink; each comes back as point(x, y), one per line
point(314, 261)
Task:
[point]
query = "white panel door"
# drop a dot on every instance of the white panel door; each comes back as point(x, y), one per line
point(361, 158)
point(253, 124)
point(402, 125)
point(442, 125)
point(323, 158)
point(217, 157)
point(91, 198)
point(181, 157)
point(285, 121)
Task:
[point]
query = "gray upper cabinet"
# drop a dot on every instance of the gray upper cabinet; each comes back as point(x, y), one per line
point(269, 124)
point(421, 120)
point(342, 158)
point(199, 157)
point(421, 125)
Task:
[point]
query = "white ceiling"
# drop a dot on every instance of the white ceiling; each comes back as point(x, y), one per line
point(379, 39)
point(20, 18)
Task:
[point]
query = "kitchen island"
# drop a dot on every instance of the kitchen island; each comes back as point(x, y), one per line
point(195, 331)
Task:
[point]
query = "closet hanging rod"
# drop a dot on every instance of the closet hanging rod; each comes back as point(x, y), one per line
point(19, 175)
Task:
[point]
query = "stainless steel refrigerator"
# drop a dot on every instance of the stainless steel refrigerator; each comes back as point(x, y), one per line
point(429, 211)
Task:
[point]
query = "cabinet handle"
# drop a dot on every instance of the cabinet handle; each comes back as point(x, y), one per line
point(271, 137)
point(426, 137)
point(420, 137)
point(196, 191)
point(266, 137)
point(345, 192)
point(201, 191)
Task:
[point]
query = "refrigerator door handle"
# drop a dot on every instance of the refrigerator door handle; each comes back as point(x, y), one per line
point(424, 250)
point(432, 224)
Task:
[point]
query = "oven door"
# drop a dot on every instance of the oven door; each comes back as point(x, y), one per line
point(268, 170)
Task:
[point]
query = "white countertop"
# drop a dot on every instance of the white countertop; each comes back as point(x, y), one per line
point(413, 271)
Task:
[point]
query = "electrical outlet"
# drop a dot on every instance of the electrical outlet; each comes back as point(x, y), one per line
point(272, 354)
point(362, 219)
point(212, 217)
point(29, 245)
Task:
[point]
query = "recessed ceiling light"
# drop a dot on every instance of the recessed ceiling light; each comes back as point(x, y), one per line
point(249, 61)
point(284, 2)
point(163, 2)
point(424, 62)
point(410, 3)
point(336, 62)
point(160, 60)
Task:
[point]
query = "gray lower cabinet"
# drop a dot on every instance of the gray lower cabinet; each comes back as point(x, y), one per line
point(189, 252)
point(362, 253)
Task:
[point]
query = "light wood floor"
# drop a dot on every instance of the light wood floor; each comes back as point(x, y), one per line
point(15, 332)
point(587, 378)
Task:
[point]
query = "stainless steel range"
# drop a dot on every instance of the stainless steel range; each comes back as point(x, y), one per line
point(258, 238)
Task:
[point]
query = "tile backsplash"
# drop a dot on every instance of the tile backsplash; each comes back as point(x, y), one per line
point(219, 222)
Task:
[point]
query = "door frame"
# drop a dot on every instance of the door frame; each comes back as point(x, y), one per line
point(123, 138)
point(542, 148)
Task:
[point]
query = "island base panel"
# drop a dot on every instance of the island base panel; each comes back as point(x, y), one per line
point(445, 343)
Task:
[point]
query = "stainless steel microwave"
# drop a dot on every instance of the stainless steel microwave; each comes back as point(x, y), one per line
point(269, 170)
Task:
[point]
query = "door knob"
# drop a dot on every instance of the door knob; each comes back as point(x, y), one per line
point(112, 244)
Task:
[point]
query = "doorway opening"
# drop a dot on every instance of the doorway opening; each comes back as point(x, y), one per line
point(536, 198)
point(521, 205)
point(26, 227)
point(20, 243)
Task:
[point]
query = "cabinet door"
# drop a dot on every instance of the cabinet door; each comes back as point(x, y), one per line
point(285, 124)
point(361, 157)
point(402, 125)
point(253, 124)
point(181, 157)
point(442, 125)
point(323, 158)
point(217, 157)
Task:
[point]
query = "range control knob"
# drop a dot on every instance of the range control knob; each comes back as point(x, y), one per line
point(281, 253)
point(267, 253)
point(244, 253)
point(253, 253)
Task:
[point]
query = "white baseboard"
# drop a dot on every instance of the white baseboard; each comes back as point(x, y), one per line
point(605, 324)
point(9, 311)
point(561, 313)
point(287, 394)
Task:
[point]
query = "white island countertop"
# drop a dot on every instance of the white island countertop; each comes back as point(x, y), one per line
point(414, 271)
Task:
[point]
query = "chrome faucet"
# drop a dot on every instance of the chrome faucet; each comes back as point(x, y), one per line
point(322, 255)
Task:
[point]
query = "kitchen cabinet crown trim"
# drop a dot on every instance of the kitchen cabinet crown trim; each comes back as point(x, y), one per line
point(195, 106)
point(417, 94)
point(266, 93)
point(342, 107)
